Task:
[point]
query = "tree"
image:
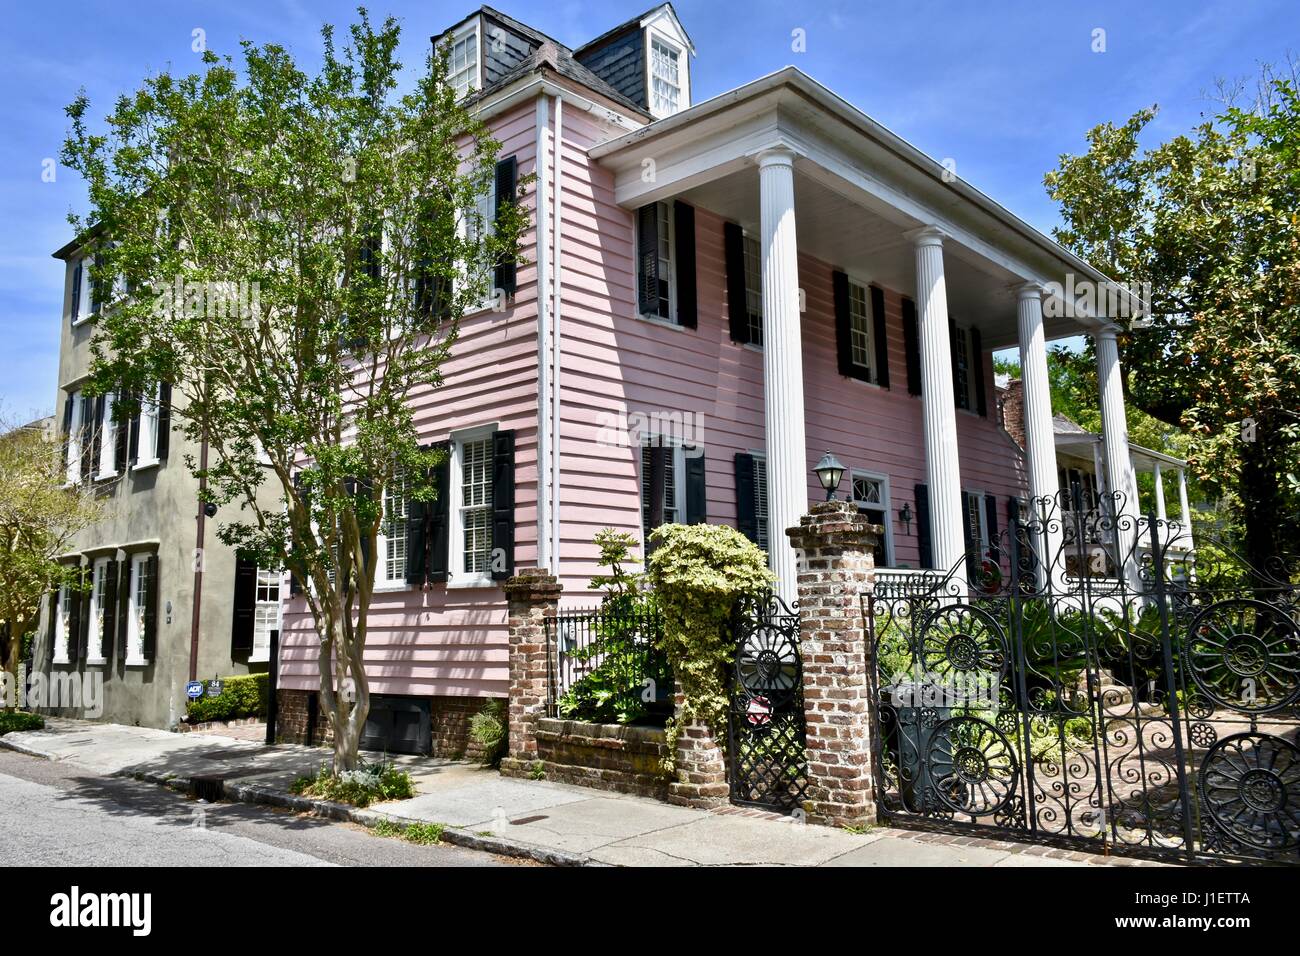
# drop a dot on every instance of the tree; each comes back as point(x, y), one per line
point(1211, 220)
point(40, 514)
point(297, 253)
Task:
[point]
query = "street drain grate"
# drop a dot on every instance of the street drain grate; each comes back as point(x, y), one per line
point(211, 789)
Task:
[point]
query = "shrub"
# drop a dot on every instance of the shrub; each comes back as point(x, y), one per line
point(369, 783)
point(699, 572)
point(18, 720)
point(488, 729)
point(242, 696)
point(614, 691)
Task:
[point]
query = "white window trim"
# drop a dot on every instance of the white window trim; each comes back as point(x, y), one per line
point(886, 504)
point(457, 577)
point(61, 621)
point(83, 298)
point(263, 655)
point(972, 396)
point(679, 489)
point(135, 615)
point(749, 237)
point(73, 437)
point(866, 285)
point(488, 303)
point(382, 581)
point(468, 29)
point(148, 413)
point(95, 628)
point(683, 95)
point(672, 320)
point(104, 468)
point(982, 517)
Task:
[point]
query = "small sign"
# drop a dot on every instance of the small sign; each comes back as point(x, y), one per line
point(759, 712)
point(214, 688)
point(194, 689)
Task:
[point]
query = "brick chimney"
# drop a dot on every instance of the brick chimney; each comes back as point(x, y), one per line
point(1013, 410)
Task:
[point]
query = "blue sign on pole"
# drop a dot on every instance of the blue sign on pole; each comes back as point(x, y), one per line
point(194, 689)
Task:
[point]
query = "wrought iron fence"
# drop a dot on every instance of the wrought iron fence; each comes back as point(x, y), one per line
point(606, 663)
point(1147, 697)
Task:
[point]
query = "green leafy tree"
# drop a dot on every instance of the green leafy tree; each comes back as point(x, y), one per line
point(1210, 220)
point(297, 250)
point(40, 515)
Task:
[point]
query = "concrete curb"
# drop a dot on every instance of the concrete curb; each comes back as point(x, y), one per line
point(252, 793)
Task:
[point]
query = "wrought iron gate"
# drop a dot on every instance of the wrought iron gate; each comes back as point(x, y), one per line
point(1123, 691)
point(765, 755)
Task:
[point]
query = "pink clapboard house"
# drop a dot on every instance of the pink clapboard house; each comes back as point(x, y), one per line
point(717, 293)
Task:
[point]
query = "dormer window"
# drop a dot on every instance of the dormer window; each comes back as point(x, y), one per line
point(462, 70)
point(665, 77)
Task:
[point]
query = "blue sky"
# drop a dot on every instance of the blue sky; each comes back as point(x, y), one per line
point(1001, 88)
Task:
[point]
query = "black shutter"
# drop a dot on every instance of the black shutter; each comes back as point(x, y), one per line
point(245, 606)
point(417, 541)
point(733, 247)
point(124, 598)
point(746, 511)
point(977, 357)
point(150, 569)
point(108, 640)
point(684, 242)
point(503, 503)
point(97, 434)
point(133, 445)
point(658, 487)
point(53, 624)
point(67, 430)
point(971, 545)
point(76, 292)
point(880, 339)
point(439, 515)
point(912, 347)
point(507, 179)
point(844, 329)
point(923, 526)
point(1014, 510)
point(78, 620)
point(991, 518)
point(164, 426)
point(121, 431)
point(647, 255)
point(697, 507)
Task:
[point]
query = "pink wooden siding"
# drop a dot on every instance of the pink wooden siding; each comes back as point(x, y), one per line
point(453, 642)
point(616, 361)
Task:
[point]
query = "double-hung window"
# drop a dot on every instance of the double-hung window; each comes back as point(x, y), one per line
point(266, 613)
point(470, 510)
point(860, 340)
point(760, 501)
point(107, 464)
point(462, 71)
point(147, 439)
point(871, 496)
point(963, 369)
point(62, 623)
point(977, 529)
point(137, 618)
point(97, 626)
point(658, 275)
point(390, 543)
point(665, 78)
point(75, 427)
point(663, 485)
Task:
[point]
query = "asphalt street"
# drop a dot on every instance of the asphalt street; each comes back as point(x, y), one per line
point(54, 814)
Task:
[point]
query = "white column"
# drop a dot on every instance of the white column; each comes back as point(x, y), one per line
point(787, 453)
point(939, 413)
point(1185, 511)
point(1160, 492)
point(1040, 438)
point(1114, 428)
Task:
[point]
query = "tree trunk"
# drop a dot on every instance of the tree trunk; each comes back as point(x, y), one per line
point(347, 720)
point(1261, 499)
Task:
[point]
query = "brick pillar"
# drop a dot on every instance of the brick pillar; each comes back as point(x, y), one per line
point(532, 596)
point(701, 779)
point(835, 569)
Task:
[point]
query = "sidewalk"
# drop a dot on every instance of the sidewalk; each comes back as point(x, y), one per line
point(550, 822)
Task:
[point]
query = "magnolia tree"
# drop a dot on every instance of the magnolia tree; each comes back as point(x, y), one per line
point(292, 252)
point(1211, 220)
point(41, 512)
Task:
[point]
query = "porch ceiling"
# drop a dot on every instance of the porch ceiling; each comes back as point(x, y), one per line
point(858, 190)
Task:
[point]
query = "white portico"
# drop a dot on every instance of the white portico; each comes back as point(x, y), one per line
point(807, 173)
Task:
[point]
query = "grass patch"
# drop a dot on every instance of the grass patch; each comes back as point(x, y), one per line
point(421, 834)
point(369, 783)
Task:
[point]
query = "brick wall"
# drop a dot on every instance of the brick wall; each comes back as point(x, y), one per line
point(450, 717)
point(1013, 410)
point(604, 756)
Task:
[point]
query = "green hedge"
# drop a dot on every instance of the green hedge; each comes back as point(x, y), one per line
point(243, 696)
point(12, 720)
